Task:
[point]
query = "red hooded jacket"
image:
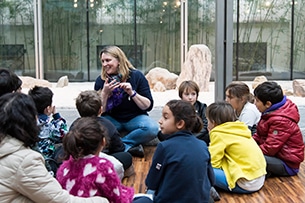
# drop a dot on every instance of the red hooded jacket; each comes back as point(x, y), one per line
point(279, 135)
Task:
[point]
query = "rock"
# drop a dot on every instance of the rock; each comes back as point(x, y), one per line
point(298, 86)
point(258, 80)
point(62, 81)
point(30, 82)
point(160, 76)
point(197, 67)
point(159, 87)
point(287, 92)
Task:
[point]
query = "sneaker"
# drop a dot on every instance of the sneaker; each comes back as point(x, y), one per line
point(214, 194)
point(129, 172)
point(137, 151)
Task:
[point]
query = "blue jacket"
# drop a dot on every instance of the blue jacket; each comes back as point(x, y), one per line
point(128, 109)
point(181, 170)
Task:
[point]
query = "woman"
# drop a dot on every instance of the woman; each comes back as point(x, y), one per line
point(238, 95)
point(24, 177)
point(127, 98)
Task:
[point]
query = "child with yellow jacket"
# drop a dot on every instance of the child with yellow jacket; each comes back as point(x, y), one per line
point(238, 163)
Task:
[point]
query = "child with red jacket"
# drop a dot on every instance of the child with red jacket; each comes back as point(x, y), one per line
point(278, 134)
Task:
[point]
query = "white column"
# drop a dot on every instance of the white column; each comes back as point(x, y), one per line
point(38, 39)
point(183, 31)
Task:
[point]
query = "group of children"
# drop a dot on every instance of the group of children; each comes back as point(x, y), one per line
point(24, 176)
point(223, 153)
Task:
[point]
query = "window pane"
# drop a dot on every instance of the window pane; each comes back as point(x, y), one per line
point(299, 40)
point(64, 39)
point(201, 25)
point(17, 36)
point(158, 31)
point(264, 39)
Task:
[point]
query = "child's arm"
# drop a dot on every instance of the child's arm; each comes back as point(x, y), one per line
point(217, 150)
point(156, 171)
point(110, 185)
point(278, 134)
point(59, 124)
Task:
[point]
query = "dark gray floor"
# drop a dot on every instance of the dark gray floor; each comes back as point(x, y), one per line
point(71, 114)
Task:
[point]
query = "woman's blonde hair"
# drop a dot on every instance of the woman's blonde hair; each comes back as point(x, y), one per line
point(124, 66)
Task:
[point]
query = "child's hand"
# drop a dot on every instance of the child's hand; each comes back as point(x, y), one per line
point(53, 110)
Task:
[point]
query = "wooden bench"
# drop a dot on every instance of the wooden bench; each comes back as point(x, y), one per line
point(275, 190)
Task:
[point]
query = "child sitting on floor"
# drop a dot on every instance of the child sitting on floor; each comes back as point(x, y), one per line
point(89, 104)
point(52, 129)
point(84, 173)
point(189, 91)
point(278, 134)
point(238, 163)
point(181, 169)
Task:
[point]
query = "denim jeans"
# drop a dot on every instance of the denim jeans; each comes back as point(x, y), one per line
point(140, 129)
point(221, 182)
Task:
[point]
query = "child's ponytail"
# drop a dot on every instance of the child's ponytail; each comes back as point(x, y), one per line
point(198, 125)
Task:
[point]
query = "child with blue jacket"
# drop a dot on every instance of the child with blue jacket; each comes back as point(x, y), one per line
point(52, 127)
point(181, 168)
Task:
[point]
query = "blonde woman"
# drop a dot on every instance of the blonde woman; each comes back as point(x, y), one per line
point(126, 99)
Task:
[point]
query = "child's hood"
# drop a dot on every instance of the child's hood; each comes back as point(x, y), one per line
point(288, 110)
point(236, 128)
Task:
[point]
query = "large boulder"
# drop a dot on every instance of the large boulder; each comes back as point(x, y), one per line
point(62, 81)
point(258, 80)
point(197, 67)
point(299, 87)
point(29, 82)
point(161, 79)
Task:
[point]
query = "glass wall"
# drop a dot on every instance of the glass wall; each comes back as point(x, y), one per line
point(268, 35)
point(64, 39)
point(263, 39)
point(298, 39)
point(17, 36)
point(201, 25)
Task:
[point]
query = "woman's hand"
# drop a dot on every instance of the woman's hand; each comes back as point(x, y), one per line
point(109, 87)
point(126, 86)
point(141, 101)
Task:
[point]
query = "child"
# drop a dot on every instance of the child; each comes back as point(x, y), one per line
point(239, 96)
point(238, 163)
point(89, 104)
point(51, 130)
point(84, 173)
point(180, 166)
point(189, 91)
point(24, 177)
point(9, 82)
point(278, 134)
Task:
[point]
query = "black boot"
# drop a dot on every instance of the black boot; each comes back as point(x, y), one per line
point(137, 151)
